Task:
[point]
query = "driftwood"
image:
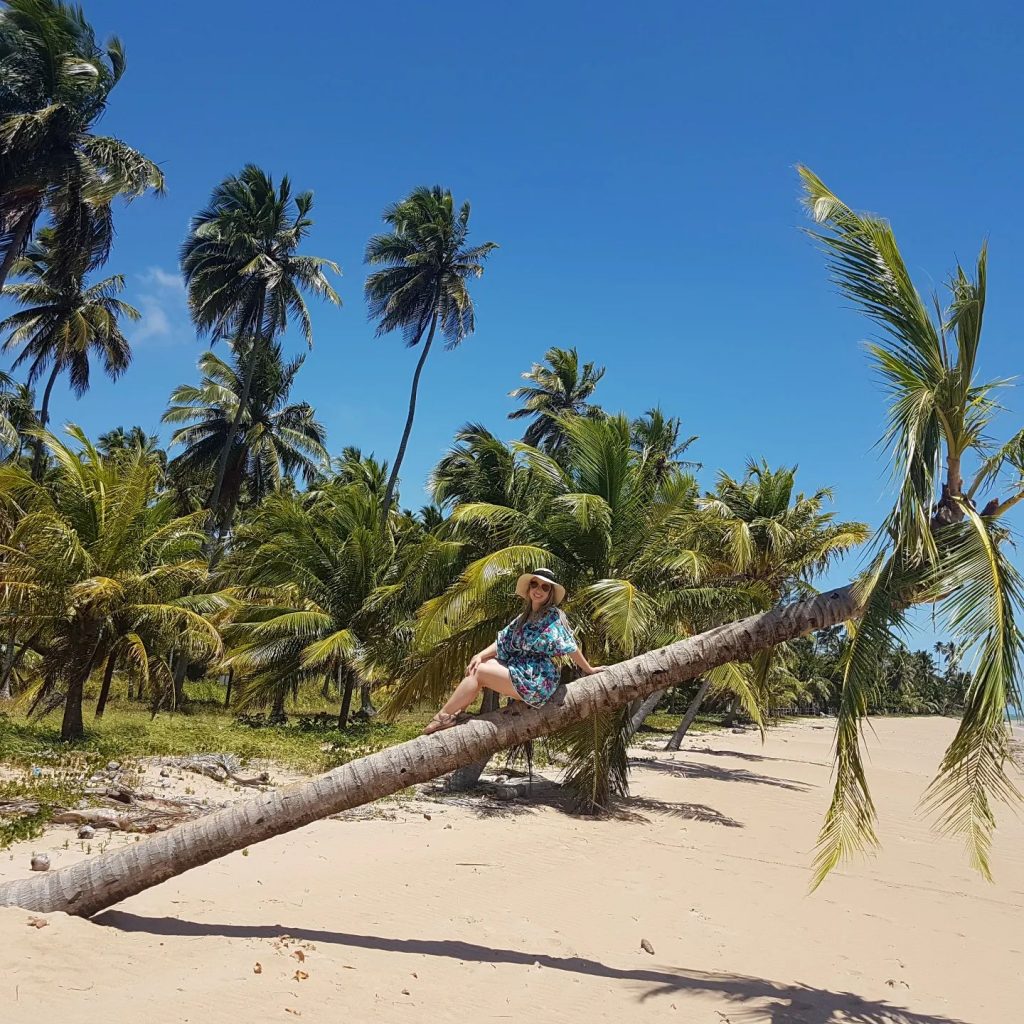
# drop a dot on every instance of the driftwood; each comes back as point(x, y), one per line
point(147, 814)
point(139, 820)
point(220, 767)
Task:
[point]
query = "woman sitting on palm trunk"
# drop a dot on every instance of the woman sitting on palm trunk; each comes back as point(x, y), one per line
point(520, 663)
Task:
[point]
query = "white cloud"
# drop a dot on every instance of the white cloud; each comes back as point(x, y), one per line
point(161, 300)
point(155, 322)
point(159, 278)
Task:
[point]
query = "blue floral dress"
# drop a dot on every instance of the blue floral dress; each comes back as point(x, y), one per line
point(527, 652)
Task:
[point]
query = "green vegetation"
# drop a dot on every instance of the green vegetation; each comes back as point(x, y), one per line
point(244, 565)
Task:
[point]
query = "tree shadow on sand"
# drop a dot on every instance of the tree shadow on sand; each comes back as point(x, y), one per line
point(742, 755)
point(695, 770)
point(748, 998)
point(543, 792)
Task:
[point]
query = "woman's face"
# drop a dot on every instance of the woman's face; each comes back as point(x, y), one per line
point(540, 593)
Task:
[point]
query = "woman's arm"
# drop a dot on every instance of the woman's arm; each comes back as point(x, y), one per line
point(584, 665)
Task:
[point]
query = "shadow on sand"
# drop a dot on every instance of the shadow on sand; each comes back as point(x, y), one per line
point(754, 999)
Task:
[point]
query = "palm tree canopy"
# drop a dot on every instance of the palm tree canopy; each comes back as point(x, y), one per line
point(98, 554)
point(244, 274)
point(17, 414)
point(426, 264)
point(306, 573)
point(659, 438)
point(275, 440)
point(64, 321)
point(560, 388)
point(55, 81)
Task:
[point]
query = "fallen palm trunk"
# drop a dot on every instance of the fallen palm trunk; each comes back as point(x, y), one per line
point(99, 882)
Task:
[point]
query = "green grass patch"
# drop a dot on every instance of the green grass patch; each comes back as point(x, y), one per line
point(663, 722)
point(129, 732)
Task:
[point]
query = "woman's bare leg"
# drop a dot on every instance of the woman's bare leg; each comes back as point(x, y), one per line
point(491, 674)
point(495, 676)
point(465, 693)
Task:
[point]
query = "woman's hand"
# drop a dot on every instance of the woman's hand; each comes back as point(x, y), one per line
point(474, 663)
point(594, 669)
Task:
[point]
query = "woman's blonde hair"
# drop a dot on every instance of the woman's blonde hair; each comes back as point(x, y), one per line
point(524, 615)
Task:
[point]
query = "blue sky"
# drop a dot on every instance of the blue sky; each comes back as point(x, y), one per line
point(636, 166)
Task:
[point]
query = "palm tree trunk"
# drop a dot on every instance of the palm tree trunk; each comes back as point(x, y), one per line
point(277, 711)
point(227, 691)
point(366, 708)
point(346, 683)
point(180, 668)
point(17, 246)
point(249, 370)
point(691, 714)
point(72, 727)
point(644, 708)
point(396, 468)
point(10, 653)
point(108, 675)
point(96, 883)
point(13, 659)
point(44, 418)
point(463, 779)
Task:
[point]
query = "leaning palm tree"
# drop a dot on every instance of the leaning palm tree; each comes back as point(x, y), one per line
point(55, 82)
point(246, 278)
point(561, 388)
point(65, 322)
point(274, 439)
point(936, 544)
point(931, 369)
point(423, 284)
point(94, 557)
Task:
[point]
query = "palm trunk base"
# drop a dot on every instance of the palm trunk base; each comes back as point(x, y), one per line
point(688, 719)
point(464, 779)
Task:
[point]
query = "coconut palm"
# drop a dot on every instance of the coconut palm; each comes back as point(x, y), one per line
point(936, 544)
point(561, 388)
point(17, 415)
point(657, 436)
point(477, 468)
point(55, 82)
point(274, 439)
point(95, 557)
point(422, 286)
point(307, 572)
point(65, 322)
point(774, 542)
point(121, 440)
point(246, 279)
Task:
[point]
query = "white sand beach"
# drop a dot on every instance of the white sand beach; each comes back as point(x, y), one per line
point(449, 911)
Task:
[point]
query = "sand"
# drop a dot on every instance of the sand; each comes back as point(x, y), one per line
point(522, 913)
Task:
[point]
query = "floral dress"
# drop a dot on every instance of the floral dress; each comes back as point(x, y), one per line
point(527, 652)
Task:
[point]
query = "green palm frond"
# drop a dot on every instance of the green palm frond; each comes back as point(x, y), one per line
point(330, 650)
point(982, 609)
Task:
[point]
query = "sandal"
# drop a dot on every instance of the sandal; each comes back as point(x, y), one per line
point(442, 720)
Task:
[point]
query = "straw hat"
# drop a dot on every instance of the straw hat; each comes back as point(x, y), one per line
point(523, 584)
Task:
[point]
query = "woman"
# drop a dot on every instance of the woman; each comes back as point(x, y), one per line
point(519, 664)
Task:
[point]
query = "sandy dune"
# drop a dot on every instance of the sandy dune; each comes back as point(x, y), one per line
point(526, 914)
